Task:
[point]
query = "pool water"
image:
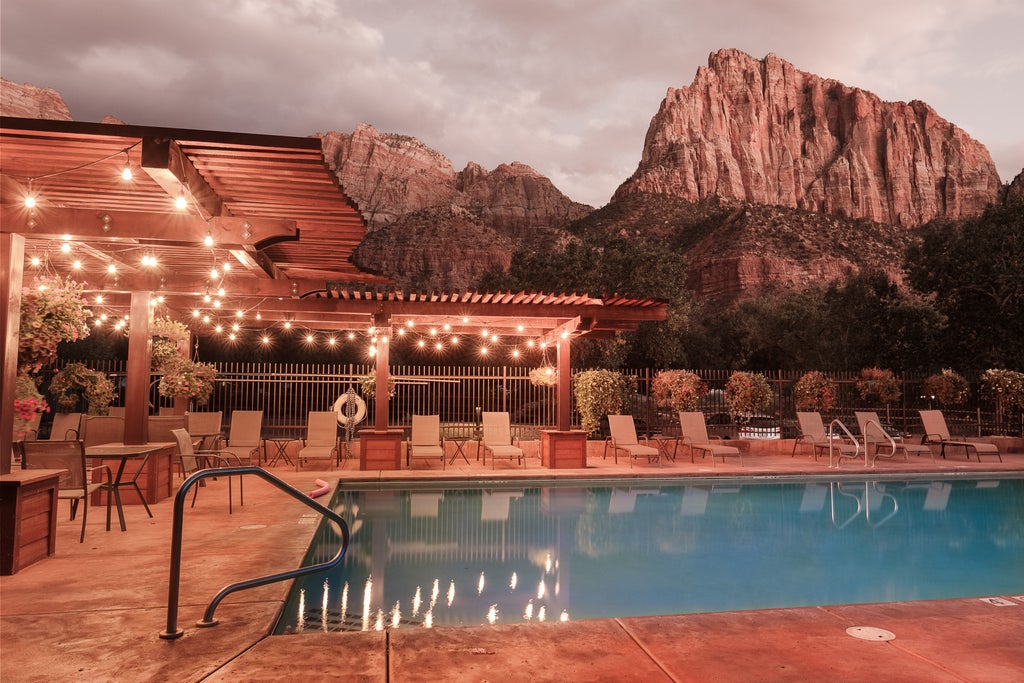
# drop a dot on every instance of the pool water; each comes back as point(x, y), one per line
point(468, 556)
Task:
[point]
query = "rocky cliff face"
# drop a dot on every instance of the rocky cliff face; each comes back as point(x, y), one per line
point(28, 101)
point(761, 131)
point(431, 227)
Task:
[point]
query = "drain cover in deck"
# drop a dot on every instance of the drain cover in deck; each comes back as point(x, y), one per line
point(871, 633)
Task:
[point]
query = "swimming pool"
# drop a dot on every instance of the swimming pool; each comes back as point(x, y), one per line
point(507, 554)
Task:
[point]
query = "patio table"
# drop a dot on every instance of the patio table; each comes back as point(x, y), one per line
point(460, 442)
point(122, 453)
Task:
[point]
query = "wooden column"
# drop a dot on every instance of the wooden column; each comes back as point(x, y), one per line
point(140, 355)
point(13, 249)
point(564, 400)
point(380, 418)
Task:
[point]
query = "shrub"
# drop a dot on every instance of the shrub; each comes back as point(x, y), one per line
point(747, 393)
point(1006, 387)
point(814, 391)
point(878, 384)
point(948, 387)
point(599, 393)
point(678, 389)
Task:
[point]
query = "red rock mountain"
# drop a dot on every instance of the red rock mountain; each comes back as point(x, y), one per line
point(30, 102)
point(764, 132)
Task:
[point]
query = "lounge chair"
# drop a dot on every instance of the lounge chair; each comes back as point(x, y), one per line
point(623, 438)
point(77, 482)
point(161, 427)
point(936, 431)
point(321, 441)
point(695, 436)
point(812, 431)
point(497, 439)
point(425, 440)
point(876, 440)
point(244, 436)
point(205, 425)
point(192, 461)
point(66, 426)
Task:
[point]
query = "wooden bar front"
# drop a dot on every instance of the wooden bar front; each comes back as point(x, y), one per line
point(380, 450)
point(28, 517)
point(563, 450)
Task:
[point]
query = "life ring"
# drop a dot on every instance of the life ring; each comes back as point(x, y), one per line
point(339, 407)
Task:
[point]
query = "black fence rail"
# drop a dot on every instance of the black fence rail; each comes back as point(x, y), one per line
point(287, 392)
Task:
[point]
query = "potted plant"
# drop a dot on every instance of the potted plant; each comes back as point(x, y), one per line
point(599, 393)
point(747, 393)
point(544, 376)
point(75, 381)
point(52, 310)
point(184, 378)
point(947, 387)
point(814, 391)
point(875, 383)
point(680, 390)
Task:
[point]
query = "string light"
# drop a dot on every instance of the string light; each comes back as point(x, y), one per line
point(208, 240)
point(126, 172)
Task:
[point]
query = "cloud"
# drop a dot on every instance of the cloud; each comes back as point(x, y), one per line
point(566, 87)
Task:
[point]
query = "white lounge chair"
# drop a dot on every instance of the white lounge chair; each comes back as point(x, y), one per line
point(497, 439)
point(425, 440)
point(321, 438)
point(936, 431)
point(876, 440)
point(244, 436)
point(812, 431)
point(623, 438)
point(695, 435)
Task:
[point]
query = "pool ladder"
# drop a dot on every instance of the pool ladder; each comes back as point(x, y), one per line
point(833, 435)
point(172, 631)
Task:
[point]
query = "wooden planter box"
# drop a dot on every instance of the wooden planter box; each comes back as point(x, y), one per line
point(28, 518)
point(380, 450)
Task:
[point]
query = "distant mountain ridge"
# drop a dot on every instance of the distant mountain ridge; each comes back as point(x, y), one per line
point(764, 132)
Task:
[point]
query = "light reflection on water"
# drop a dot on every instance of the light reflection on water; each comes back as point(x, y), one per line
point(516, 555)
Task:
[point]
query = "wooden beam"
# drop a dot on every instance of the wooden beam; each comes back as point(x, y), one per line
point(172, 170)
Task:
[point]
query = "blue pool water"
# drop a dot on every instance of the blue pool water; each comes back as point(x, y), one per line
point(467, 556)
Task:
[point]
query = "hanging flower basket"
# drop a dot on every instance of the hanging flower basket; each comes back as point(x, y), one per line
point(75, 381)
point(52, 310)
point(168, 337)
point(814, 391)
point(184, 378)
point(368, 385)
point(28, 404)
point(544, 376)
point(947, 387)
point(747, 393)
point(680, 390)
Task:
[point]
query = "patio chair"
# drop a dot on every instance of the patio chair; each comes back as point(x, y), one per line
point(192, 461)
point(99, 429)
point(66, 426)
point(205, 425)
point(695, 435)
point(497, 439)
point(876, 439)
point(425, 441)
point(623, 438)
point(936, 431)
point(244, 435)
point(321, 441)
point(161, 427)
point(812, 431)
point(77, 483)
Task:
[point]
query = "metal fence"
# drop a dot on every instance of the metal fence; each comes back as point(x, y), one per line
point(287, 392)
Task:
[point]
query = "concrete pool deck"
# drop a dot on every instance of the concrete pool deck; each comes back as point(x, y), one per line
point(92, 612)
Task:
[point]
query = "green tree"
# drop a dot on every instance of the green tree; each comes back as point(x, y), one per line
point(972, 270)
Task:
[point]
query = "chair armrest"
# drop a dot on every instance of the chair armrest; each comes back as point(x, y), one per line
point(91, 470)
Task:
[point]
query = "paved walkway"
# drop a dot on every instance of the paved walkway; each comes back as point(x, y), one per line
point(93, 611)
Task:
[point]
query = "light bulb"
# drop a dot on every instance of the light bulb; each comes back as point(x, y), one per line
point(180, 203)
point(208, 240)
point(126, 172)
point(30, 202)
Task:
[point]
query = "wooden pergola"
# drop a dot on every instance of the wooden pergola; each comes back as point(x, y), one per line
point(268, 207)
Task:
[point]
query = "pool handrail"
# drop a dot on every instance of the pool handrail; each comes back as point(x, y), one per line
point(839, 455)
point(174, 581)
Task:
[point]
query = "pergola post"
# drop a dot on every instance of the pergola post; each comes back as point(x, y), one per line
point(140, 353)
point(13, 248)
point(564, 400)
point(382, 324)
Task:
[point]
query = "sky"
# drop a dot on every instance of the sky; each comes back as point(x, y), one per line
point(567, 87)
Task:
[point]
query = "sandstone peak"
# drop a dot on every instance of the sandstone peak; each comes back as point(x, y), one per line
point(762, 131)
point(29, 101)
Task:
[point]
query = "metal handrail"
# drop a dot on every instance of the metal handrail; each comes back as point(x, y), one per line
point(172, 631)
point(840, 456)
point(892, 442)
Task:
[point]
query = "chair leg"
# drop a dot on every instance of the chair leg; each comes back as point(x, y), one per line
point(142, 498)
point(85, 514)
